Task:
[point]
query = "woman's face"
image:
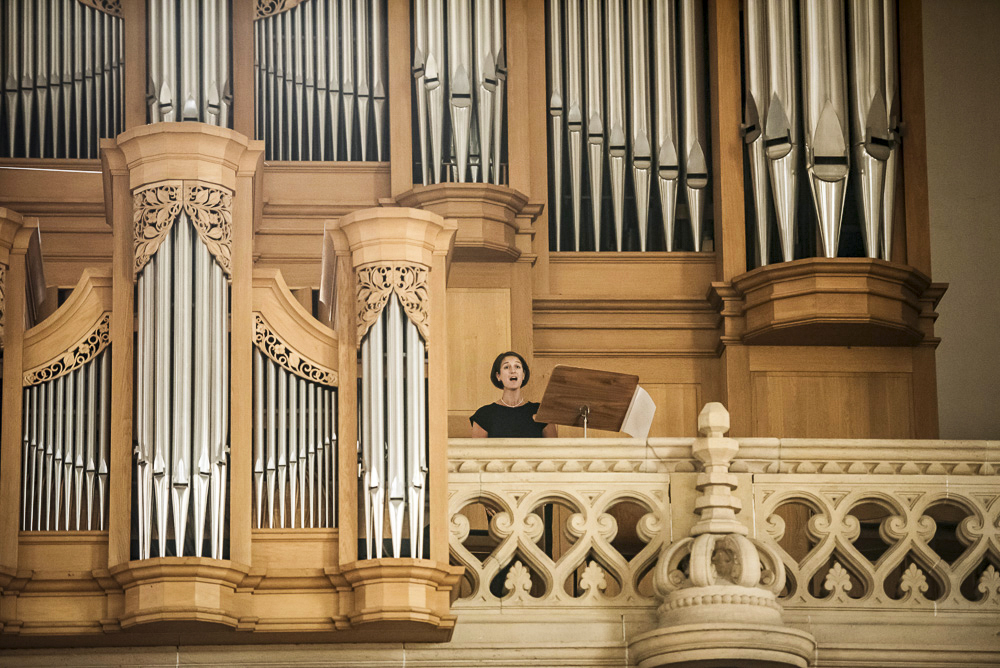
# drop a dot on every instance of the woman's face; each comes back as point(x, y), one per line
point(511, 373)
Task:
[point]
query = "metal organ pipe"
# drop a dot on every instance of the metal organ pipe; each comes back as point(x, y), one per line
point(615, 118)
point(58, 69)
point(755, 59)
point(556, 109)
point(892, 109)
point(824, 92)
point(594, 118)
point(642, 159)
point(394, 461)
point(195, 88)
point(667, 162)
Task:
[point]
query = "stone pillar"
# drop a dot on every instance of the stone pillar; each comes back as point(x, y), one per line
point(721, 608)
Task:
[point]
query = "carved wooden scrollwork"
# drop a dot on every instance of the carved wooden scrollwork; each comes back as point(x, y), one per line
point(267, 8)
point(79, 354)
point(156, 207)
point(268, 342)
point(112, 7)
point(377, 281)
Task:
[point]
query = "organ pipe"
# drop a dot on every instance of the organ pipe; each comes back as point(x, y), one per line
point(393, 432)
point(65, 463)
point(755, 59)
point(196, 87)
point(61, 78)
point(181, 420)
point(601, 85)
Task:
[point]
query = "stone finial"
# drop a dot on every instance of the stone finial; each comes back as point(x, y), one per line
point(720, 587)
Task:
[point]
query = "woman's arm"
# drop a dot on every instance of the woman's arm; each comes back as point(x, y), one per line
point(478, 432)
point(550, 431)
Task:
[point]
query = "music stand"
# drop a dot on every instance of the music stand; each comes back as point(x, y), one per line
point(578, 397)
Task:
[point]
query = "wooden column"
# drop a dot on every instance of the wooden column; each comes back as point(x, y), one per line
point(914, 146)
point(242, 67)
point(134, 84)
point(400, 113)
point(727, 147)
point(347, 403)
point(15, 233)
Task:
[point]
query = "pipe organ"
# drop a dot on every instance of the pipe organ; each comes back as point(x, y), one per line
point(459, 81)
point(66, 440)
point(393, 408)
point(628, 80)
point(295, 439)
point(182, 379)
point(188, 61)
point(321, 80)
point(848, 130)
point(62, 77)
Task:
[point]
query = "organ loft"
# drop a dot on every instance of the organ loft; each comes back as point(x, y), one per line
point(257, 257)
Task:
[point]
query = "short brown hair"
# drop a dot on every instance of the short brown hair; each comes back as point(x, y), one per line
point(496, 368)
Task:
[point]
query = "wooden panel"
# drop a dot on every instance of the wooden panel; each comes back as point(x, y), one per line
point(830, 359)
point(639, 275)
point(832, 405)
point(478, 331)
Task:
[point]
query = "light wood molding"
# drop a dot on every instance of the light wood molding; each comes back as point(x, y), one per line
point(110, 7)
point(265, 8)
point(182, 151)
point(167, 589)
point(71, 322)
point(393, 234)
point(404, 591)
point(314, 344)
point(10, 223)
point(487, 216)
point(840, 301)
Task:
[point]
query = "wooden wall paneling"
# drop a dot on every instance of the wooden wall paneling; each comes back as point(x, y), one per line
point(521, 330)
point(400, 131)
point(914, 145)
point(242, 72)
point(734, 373)
point(925, 402)
point(134, 84)
point(634, 275)
point(479, 329)
point(727, 146)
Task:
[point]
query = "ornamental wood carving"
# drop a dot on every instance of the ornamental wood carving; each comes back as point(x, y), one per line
point(268, 342)
point(112, 7)
point(79, 354)
point(209, 207)
point(409, 283)
point(267, 8)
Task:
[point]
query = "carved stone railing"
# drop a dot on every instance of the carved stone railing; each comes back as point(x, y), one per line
point(902, 534)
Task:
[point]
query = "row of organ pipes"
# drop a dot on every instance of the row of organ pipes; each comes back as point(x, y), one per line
point(319, 67)
point(182, 397)
point(196, 86)
point(649, 118)
point(460, 75)
point(393, 443)
point(62, 73)
point(66, 442)
point(849, 96)
point(294, 449)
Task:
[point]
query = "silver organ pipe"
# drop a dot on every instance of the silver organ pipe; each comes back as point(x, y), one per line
point(61, 80)
point(845, 111)
point(291, 415)
point(824, 96)
point(459, 70)
point(393, 432)
point(65, 457)
point(318, 66)
point(755, 68)
point(614, 28)
point(195, 88)
point(181, 420)
point(630, 77)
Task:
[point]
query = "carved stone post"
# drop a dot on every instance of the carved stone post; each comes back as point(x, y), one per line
point(394, 257)
point(721, 607)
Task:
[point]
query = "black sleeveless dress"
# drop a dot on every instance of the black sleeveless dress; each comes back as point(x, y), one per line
point(504, 422)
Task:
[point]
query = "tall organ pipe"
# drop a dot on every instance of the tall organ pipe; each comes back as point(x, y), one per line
point(892, 110)
point(615, 118)
point(870, 140)
point(556, 108)
point(459, 59)
point(667, 134)
point(755, 22)
point(825, 105)
point(396, 474)
point(782, 127)
point(642, 159)
point(695, 130)
point(574, 114)
point(595, 121)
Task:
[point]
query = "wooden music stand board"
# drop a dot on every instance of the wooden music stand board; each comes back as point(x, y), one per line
point(605, 400)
